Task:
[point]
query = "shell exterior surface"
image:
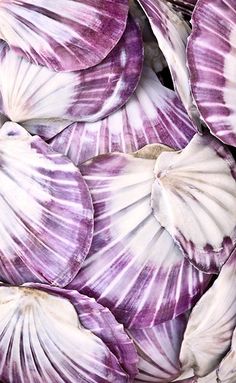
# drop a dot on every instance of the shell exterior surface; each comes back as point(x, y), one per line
point(211, 59)
point(44, 339)
point(31, 94)
point(65, 35)
point(194, 197)
point(132, 256)
point(153, 114)
point(46, 222)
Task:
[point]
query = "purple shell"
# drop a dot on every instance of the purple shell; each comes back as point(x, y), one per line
point(46, 222)
point(31, 94)
point(52, 335)
point(153, 114)
point(63, 35)
point(194, 198)
point(211, 60)
point(158, 350)
point(134, 267)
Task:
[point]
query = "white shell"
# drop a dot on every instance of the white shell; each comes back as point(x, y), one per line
point(194, 197)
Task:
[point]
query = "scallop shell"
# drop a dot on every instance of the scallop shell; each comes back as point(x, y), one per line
point(46, 223)
point(63, 34)
point(186, 7)
point(44, 338)
point(194, 198)
point(158, 349)
point(226, 372)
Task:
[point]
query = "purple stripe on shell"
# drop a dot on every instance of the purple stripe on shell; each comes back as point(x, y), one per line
point(172, 32)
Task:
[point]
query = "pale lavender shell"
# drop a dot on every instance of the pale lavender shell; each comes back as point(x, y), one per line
point(63, 34)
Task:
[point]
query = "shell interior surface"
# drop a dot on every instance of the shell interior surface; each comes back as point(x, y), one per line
point(194, 197)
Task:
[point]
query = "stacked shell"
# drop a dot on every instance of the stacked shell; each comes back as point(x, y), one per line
point(117, 191)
